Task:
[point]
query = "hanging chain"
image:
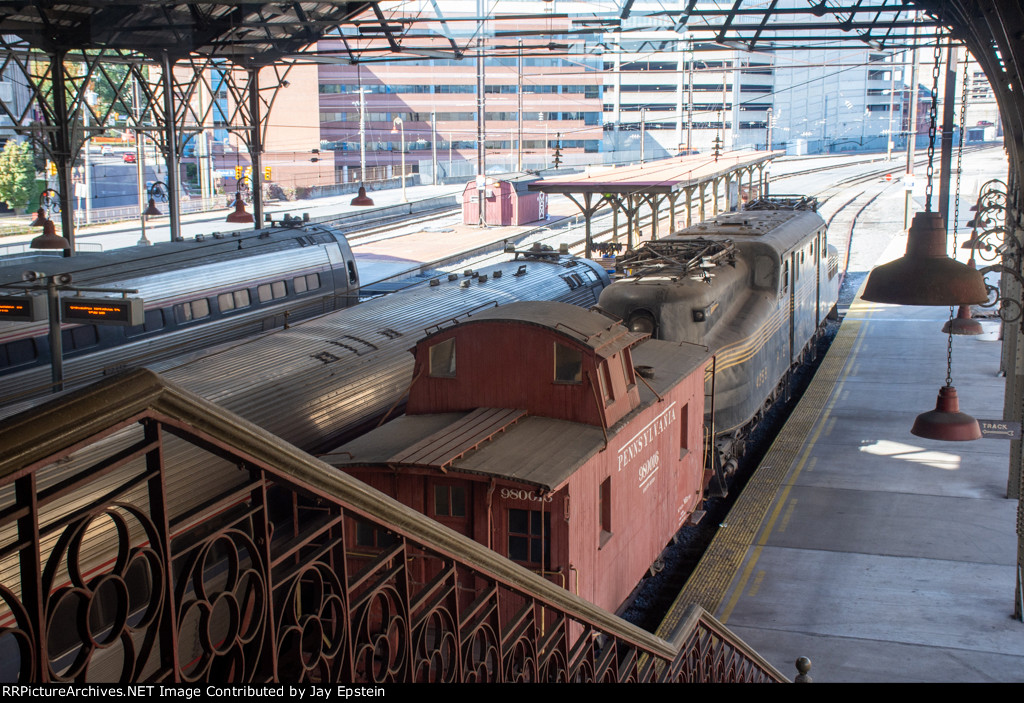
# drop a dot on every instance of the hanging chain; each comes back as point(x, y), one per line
point(956, 213)
point(933, 118)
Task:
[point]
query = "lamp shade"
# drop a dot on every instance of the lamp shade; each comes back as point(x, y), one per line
point(946, 422)
point(925, 275)
point(240, 214)
point(963, 323)
point(362, 198)
point(49, 239)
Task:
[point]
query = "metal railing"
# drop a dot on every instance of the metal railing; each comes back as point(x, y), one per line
point(271, 566)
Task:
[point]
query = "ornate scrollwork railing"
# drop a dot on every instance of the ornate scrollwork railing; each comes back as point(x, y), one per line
point(992, 240)
point(271, 567)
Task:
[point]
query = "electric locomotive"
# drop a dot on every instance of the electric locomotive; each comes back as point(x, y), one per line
point(754, 287)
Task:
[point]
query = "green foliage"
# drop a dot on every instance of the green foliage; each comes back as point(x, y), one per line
point(17, 175)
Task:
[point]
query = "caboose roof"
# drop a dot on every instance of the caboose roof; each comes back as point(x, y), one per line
point(507, 443)
point(539, 451)
point(590, 329)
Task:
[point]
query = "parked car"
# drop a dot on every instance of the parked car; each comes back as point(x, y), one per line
point(128, 157)
point(107, 151)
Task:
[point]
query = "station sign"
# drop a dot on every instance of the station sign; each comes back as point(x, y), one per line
point(125, 312)
point(23, 308)
point(999, 429)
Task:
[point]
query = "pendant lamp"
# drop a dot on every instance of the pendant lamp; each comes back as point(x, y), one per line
point(946, 422)
point(152, 210)
point(39, 218)
point(361, 198)
point(925, 275)
point(240, 214)
point(963, 323)
point(49, 239)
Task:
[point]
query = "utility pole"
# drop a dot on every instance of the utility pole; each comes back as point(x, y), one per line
point(911, 129)
point(643, 132)
point(433, 144)
point(481, 149)
point(689, 105)
point(519, 109)
point(892, 91)
point(362, 126)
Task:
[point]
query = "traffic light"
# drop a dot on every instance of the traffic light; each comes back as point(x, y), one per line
point(558, 152)
point(51, 168)
point(266, 173)
point(238, 173)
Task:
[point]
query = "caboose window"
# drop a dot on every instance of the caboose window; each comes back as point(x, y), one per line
point(529, 537)
point(449, 501)
point(684, 429)
point(442, 359)
point(627, 369)
point(568, 364)
point(606, 383)
point(604, 510)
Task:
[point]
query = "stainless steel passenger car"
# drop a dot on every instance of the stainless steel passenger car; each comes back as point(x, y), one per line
point(754, 286)
point(322, 381)
point(197, 293)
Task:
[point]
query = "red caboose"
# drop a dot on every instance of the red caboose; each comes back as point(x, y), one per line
point(554, 436)
point(507, 201)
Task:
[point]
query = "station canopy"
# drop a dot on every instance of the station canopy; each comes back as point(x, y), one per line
point(262, 32)
point(657, 177)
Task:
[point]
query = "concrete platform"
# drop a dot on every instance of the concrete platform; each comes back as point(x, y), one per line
point(881, 556)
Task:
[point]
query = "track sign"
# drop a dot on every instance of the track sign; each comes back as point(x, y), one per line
point(999, 429)
point(888, 176)
point(125, 312)
point(23, 308)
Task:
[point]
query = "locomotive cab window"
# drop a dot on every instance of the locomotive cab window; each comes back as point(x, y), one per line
point(442, 359)
point(568, 364)
point(764, 272)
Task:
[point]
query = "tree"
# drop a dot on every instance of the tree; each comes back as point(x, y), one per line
point(17, 175)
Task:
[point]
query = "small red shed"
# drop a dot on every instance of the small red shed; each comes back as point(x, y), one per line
point(508, 202)
point(551, 434)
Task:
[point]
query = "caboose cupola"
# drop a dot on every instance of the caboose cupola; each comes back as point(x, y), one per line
point(566, 363)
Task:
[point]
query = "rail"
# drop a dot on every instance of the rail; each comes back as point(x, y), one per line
point(278, 568)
